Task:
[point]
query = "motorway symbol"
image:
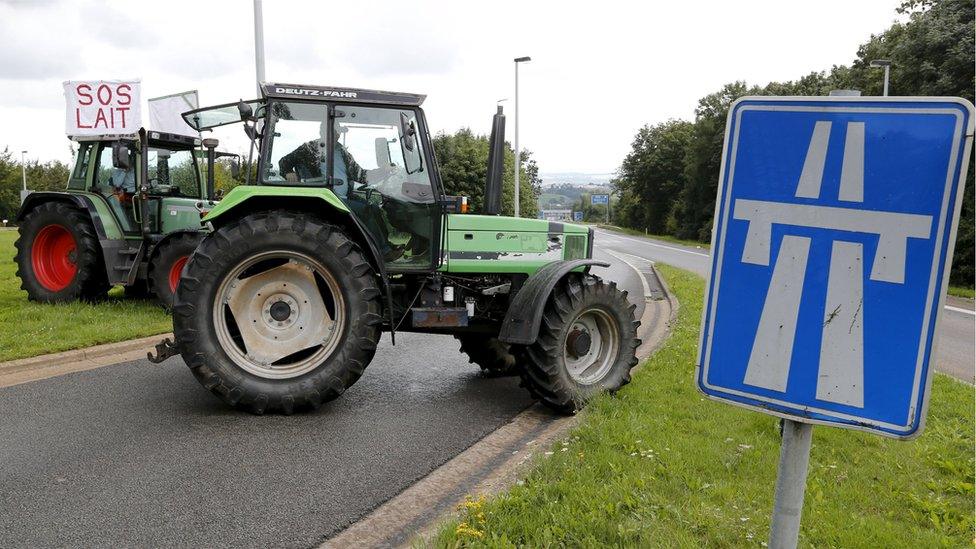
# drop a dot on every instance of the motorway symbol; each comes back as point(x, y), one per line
point(835, 225)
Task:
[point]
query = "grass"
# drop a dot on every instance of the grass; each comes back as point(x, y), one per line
point(665, 237)
point(961, 291)
point(30, 329)
point(660, 466)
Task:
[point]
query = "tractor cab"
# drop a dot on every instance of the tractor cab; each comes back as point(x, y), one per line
point(369, 148)
point(175, 180)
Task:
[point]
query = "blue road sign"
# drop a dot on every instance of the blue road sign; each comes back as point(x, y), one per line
point(577, 216)
point(599, 199)
point(834, 230)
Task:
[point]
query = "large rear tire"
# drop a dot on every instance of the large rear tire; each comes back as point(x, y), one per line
point(167, 266)
point(276, 312)
point(494, 357)
point(58, 256)
point(586, 344)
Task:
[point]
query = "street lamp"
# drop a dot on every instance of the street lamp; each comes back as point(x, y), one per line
point(518, 156)
point(23, 168)
point(259, 43)
point(887, 66)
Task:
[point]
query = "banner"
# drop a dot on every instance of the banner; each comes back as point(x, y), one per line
point(102, 107)
point(165, 113)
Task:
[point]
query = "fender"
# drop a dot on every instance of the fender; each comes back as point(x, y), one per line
point(166, 237)
point(524, 316)
point(80, 201)
point(245, 198)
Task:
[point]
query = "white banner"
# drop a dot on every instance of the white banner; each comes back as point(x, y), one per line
point(102, 107)
point(165, 112)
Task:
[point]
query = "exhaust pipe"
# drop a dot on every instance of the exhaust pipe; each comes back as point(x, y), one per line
point(496, 164)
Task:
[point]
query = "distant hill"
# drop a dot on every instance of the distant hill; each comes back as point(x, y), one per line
point(550, 179)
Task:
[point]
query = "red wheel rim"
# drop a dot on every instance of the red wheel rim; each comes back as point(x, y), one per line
point(52, 257)
point(175, 271)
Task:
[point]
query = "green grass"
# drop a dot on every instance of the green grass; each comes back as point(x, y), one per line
point(665, 237)
point(961, 291)
point(30, 329)
point(660, 466)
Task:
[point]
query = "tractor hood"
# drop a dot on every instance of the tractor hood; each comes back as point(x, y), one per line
point(469, 222)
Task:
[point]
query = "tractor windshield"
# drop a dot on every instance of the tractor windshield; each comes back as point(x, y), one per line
point(220, 115)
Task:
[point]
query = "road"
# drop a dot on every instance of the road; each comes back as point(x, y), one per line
point(956, 351)
point(137, 454)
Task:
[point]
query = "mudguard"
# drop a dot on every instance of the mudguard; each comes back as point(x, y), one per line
point(80, 201)
point(521, 324)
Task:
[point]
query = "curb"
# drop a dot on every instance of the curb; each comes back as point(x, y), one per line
point(488, 467)
point(25, 370)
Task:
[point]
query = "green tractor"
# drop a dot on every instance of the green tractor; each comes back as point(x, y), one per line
point(130, 215)
point(346, 233)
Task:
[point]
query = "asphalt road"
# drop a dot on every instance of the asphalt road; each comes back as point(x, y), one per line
point(137, 454)
point(956, 351)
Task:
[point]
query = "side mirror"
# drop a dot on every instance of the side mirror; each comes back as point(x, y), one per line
point(409, 131)
point(235, 168)
point(120, 156)
point(245, 110)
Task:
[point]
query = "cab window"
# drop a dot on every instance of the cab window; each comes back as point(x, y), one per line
point(173, 173)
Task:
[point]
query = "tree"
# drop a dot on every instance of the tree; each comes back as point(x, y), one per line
point(652, 175)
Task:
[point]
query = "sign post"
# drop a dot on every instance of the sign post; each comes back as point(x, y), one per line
point(601, 199)
point(833, 235)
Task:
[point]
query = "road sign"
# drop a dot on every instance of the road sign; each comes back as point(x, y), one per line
point(599, 199)
point(834, 229)
point(577, 216)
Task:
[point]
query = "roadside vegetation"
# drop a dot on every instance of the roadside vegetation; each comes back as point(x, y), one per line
point(661, 466)
point(30, 329)
point(962, 291)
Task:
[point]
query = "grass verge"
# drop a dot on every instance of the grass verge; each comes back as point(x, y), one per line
point(660, 466)
point(960, 291)
point(664, 237)
point(31, 329)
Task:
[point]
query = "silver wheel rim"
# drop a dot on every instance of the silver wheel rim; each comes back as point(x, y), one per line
point(278, 315)
point(592, 366)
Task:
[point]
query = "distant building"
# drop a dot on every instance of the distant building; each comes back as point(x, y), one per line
point(556, 215)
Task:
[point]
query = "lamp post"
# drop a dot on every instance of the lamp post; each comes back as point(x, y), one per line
point(259, 44)
point(518, 156)
point(887, 66)
point(23, 168)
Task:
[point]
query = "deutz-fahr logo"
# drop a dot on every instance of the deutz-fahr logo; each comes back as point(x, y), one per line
point(315, 93)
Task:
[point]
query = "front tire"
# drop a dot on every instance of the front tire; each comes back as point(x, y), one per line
point(168, 264)
point(586, 344)
point(58, 256)
point(277, 312)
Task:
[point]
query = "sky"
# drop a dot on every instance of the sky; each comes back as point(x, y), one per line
point(600, 69)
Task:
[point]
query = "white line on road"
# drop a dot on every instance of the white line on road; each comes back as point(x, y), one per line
point(640, 275)
point(649, 243)
point(958, 310)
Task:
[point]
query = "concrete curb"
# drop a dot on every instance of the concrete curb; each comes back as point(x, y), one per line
point(488, 467)
point(25, 370)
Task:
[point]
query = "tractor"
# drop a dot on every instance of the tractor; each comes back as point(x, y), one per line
point(345, 232)
point(130, 216)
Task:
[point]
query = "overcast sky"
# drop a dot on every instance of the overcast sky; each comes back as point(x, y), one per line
point(599, 70)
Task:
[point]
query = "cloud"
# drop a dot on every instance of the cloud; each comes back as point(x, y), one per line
point(27, 54)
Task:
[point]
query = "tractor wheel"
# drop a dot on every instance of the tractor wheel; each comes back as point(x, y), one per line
point(494, 357)
point(58, 256)
point(278, 311)
point(167, 266)
point(586, 344)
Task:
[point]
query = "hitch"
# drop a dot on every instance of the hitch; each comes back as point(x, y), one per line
point(164, 349)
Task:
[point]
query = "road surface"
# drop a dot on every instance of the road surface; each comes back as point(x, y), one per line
point(956, 351)
point(137, 454)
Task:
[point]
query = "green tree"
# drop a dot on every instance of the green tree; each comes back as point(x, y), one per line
point(653, 174)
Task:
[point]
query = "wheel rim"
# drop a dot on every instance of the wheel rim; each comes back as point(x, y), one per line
point(53, 257)
point(279, 314)
point(175, 271)
point(591, 346)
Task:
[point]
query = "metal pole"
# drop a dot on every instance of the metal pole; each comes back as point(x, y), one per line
point(23, 168)
point(886, 80)
point(259, 43)
point(791, 483)
point(517, 162)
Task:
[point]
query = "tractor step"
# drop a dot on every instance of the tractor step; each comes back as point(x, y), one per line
point(438, 317)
